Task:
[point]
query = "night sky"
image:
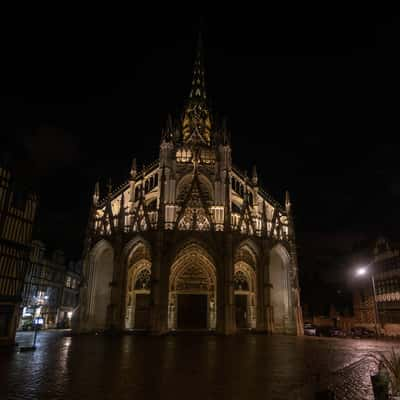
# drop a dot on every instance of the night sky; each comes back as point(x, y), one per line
point(311, 99)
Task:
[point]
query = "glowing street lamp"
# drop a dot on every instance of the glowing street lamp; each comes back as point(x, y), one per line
point(362, 271)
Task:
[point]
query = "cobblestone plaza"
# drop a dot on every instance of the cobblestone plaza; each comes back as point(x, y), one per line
point(186, 366)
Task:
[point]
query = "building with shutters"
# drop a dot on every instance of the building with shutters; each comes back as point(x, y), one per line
point(44, 285)
point(17, 214)
point(382, 259)
point(70, 293)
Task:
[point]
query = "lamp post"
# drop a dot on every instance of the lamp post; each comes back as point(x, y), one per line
point(362, 271)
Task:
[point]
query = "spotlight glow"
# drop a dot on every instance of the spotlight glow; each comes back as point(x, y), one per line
point(361, 271)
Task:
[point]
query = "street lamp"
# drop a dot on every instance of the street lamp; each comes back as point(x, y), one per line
point(362, 271)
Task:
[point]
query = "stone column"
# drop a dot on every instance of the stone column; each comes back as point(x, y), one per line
point(260, 282)
point(225, 297)
point(159, 287)
point(267, 309)
point(116, 309)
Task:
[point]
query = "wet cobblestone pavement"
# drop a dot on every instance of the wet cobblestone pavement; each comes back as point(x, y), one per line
point(186, 367)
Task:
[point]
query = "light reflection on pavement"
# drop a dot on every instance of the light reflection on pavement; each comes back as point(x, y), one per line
point(179, 367)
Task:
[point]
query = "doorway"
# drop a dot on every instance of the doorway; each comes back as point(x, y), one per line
point(241, 311)
point(142, 312)
point(192, 311)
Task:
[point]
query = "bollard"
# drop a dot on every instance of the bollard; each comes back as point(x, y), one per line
point(380, 386)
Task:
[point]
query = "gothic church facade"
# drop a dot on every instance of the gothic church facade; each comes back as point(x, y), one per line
point(190, 242)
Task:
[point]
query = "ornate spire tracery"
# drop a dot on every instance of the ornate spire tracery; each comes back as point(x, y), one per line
point(198, 89)
point(196, 123)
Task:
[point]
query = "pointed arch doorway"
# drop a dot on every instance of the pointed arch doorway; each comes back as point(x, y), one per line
point(245, 296)
point(282, 316)
point(138, 288)
point(192, 293)
point(138, 297)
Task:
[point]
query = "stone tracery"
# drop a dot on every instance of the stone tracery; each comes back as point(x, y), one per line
point(193, 192)
point(192, 273)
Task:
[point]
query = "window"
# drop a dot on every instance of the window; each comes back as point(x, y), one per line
point(183, 155)
point(68, 282)
point(251, 198)
point(235, 208)
point(152, 206)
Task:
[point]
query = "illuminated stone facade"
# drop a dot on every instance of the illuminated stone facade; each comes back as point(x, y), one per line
point(190, 242)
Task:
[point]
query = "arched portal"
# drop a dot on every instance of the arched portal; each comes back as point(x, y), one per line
point(244, 281)
point(280, 295)
point(138, 288)
point(102, 263)
point(245, 284)
point(192, 290)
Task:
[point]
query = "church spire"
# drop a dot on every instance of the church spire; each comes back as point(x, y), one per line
point(196, 122)
point(198, 89)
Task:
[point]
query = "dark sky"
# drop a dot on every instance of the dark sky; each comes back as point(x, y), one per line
point(312, 98)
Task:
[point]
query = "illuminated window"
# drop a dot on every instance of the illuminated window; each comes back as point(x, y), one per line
point(183, 155)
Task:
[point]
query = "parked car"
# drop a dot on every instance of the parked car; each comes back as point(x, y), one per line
point(361, 332)
point(330, 331)
point(27, 326)
point(337, 332)
point(310, 330)
point(32, 324)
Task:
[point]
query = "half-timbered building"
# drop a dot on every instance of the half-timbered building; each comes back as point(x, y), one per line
point(17, 213)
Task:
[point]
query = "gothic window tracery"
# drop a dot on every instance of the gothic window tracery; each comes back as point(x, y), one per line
point(143, 224)
point(194, 198)
point(194, 219)
point(193, 277)
point(143, 280)
point(196, 124)
point(183, 155)
point(240, 281)
point(237, 187)
point(244, 254)
point(207, 156)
